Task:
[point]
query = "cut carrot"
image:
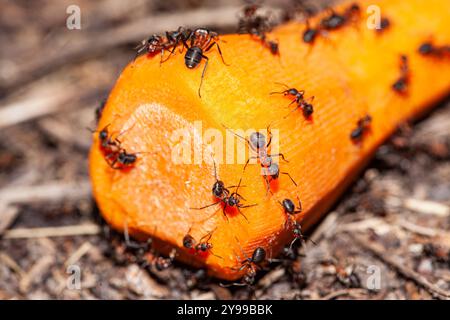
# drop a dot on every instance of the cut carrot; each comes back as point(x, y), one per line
point(349, 71)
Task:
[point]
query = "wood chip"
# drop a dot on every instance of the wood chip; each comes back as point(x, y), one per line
point(36, 273)
point(8, 215)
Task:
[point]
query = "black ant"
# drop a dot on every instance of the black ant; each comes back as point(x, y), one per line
point(116, 156)
point(289, 206)
point(257, 142)
point(122, 159)
point(298, 235)
point(232, 200)
point(203, 244)
point(145, 246)
point(108, 144)
point(298, 98)
point(401, 84)
point(257, 25)
point(201, 41)
point(290, 209)
point(158, 262)
point(336, 21)
point(429, 49)
point(310, 34)
point(218, 189)
point(157, 43)
point(362, 126)
point(99, 110)
point(251, 265)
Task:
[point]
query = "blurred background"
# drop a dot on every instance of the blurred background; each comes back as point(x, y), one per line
point(53, 243)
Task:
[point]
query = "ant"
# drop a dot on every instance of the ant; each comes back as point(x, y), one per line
point(107, 143)
point(336, 21)
point(310, 34)
point(116, 156)
point(362, 127)
point(251, 265)
point(257, 25)
point(156, 43)
point(201, 41)
point(202, 246)
point(257, 142)
point(218, 189)
point(232, 200)
point(429, 49)
point(289, 206)
point(99, 110)
point(401, 84)
point(298, 98)
point(135, 245)
point(158, 262)
point(122, 159)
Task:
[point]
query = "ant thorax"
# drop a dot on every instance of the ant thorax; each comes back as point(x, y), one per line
point(264, 159)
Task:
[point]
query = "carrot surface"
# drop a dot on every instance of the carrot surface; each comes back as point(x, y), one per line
point(350, 72)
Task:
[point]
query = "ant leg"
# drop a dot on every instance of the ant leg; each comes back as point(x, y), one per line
point(268, 185)
point(203, 74)
point(248, 160)
point(286, 173)
point(279, 155)
point(293, 110)
point(224, 213)
point(269, 133)
point(162, 57)
point(209, 205)
point(170, 54)
point(218, 49)
point(242, 214)
point(207, 236)
point(215, 255)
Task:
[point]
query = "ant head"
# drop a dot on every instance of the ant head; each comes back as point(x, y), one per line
point(233, 200)
point(188, 241)
point(103, 134)
point(292, 91)
point(205, 246)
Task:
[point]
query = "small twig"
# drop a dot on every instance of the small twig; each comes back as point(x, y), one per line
point(78, 254)
point(52, 191)
point(268, 280)
point(42, 99)
point(326, 228)
point(66, 231)
point(7, 216)
point(9, 262)
point(401, 268)
point(423, 231)
point(35, 274)
point(354, 293)
point(93, 43)
point(420, 206)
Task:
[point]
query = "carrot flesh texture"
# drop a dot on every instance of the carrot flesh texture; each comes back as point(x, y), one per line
point(350, 73)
